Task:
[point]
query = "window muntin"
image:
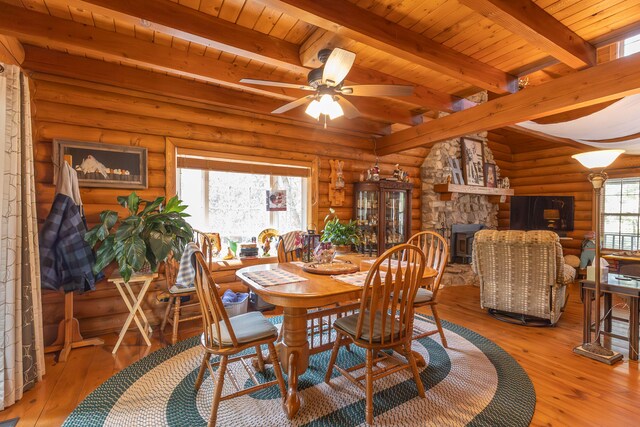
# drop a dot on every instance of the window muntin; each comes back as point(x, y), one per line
point(621, 214)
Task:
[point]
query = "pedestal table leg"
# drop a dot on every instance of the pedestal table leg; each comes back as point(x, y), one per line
point(293, 351)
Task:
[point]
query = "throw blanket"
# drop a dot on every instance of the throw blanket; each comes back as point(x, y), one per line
point(187, 272)
point(292, 240)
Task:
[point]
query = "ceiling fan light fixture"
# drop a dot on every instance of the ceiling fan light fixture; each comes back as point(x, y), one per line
point(335, 110)
point(314, 109)
point(325, 102)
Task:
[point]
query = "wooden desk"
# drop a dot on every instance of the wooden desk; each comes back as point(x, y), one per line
point(296, 299)
point(624, 288)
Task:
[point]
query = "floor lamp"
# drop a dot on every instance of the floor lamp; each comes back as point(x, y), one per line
point(596, 161)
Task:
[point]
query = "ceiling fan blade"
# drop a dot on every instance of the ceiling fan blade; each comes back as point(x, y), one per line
point(337, 66)
point(377, 90)
point(292, 105)
point(277, 84)
point(350, 110)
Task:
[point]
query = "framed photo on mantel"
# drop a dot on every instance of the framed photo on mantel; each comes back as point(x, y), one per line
point(472, 161)
point(102, 165)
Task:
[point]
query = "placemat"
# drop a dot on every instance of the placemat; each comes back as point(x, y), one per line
point(394, 263)
point(356, 279)
point(274, 277)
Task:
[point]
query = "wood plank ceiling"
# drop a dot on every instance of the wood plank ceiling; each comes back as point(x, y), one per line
point(447, 49)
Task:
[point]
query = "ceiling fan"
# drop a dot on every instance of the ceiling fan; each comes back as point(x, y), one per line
point(327, 83)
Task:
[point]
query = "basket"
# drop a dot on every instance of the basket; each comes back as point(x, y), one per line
point(236, 308)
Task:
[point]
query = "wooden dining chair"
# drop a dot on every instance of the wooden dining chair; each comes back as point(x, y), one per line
point(383, 321)
point(290, 255)
point(176, 311)
point(226, 337)
point(436, 251)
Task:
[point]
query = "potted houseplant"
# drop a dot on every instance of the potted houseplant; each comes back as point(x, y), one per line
point(142, 240)
point(341, 235)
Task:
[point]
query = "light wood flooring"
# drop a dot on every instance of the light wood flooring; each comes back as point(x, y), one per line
point(571, 390)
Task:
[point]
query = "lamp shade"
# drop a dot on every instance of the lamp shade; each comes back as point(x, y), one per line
point(597, 159)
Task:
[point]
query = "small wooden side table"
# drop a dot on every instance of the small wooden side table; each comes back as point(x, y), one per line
point(133, 304)
point(623, 288)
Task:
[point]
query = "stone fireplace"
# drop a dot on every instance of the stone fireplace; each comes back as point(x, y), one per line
point(467, 212)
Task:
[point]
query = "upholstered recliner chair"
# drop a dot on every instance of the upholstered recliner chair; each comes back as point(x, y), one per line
point(522, 274)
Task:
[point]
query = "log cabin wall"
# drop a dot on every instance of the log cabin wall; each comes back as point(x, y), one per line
point(78, 110)
point(552, 171)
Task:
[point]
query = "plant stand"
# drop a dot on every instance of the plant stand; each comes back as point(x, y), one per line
point(69, 333)
point(133, 304)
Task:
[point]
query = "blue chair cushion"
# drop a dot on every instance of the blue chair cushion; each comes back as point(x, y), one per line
point(247, 327)
point(349, 324)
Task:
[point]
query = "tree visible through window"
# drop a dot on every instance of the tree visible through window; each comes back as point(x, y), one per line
point(621, 214)
point(234, 204)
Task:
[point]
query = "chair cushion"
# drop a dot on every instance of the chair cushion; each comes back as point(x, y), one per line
point(179, 290)
point(423, 295)
point(248, 327)
point(349, 324)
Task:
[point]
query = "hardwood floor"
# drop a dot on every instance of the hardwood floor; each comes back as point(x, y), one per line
point(571, 390)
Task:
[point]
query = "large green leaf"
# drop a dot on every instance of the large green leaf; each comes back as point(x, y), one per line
point(161, 244)
point(129, 227)
point(151, 206)
point(134, 252)
point(109, 218)
point(132, 203)
point(104, 255)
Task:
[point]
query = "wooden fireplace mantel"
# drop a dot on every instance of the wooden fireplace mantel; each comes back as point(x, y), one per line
point(448, 190)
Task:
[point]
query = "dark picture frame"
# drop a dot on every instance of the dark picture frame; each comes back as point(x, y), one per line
point(490, 175)
point(472, 161)
point(103, 165)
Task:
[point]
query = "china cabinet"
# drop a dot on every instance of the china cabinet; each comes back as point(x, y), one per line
point(382, 211)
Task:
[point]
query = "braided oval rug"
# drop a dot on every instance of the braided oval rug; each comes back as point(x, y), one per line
point(473, 382)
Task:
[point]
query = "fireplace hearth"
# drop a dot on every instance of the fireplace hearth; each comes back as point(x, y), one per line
point(462, 242)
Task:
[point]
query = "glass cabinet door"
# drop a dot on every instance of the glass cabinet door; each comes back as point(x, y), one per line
point(367, 220)
point(395, 218)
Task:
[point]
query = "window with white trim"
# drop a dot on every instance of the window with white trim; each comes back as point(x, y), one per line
point(229, 196)
point(621, 214)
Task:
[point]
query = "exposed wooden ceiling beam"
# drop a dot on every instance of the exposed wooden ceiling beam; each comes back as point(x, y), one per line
point(347, 19)
point(535, 25)
point(11, 51)
point(318, 40)
point(61, 34)
point(188, 24)
point(594, 85)
point(57, 63)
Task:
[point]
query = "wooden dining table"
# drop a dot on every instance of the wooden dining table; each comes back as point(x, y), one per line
point(299, 301)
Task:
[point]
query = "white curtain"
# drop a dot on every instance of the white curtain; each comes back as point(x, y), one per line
point(21, 343)
point(618, 121)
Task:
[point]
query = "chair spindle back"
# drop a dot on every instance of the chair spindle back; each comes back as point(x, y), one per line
point(290, 256)
point(390, 288)
point(436, 251)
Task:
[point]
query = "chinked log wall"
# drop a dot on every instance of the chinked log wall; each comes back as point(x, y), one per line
point(552, 171)
point(87, 112)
